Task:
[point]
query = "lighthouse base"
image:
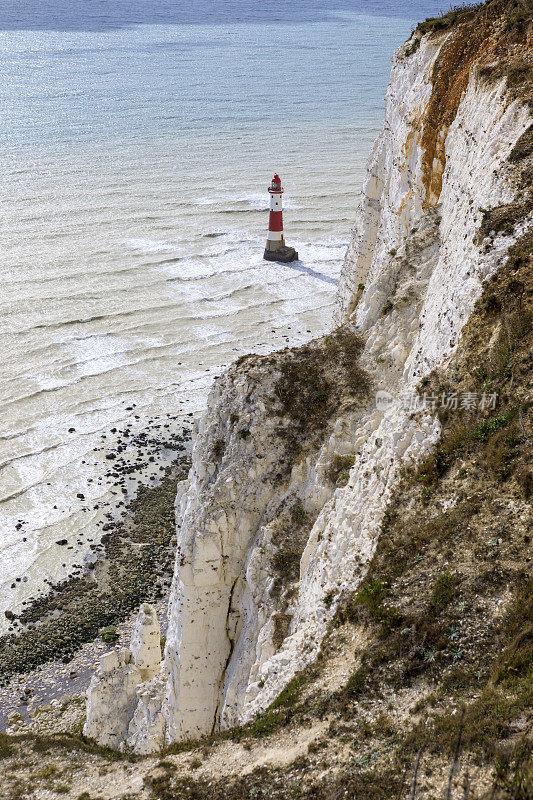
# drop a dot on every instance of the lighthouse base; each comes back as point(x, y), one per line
point(282, 254)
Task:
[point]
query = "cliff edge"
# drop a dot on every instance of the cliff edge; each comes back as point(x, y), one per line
point(350, 490)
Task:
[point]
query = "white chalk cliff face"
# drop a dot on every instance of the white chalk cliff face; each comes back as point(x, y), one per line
point(412, 273)
point(112, 695)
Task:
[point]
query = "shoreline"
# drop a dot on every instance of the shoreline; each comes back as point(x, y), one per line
point(122, 460)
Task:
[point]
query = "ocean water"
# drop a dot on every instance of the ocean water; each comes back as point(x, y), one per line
point(136, 143)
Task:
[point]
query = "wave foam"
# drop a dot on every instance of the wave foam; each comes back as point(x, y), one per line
point(152, 246)
point(256, 201)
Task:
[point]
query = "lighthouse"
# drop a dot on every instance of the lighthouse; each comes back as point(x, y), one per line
point(275, 249)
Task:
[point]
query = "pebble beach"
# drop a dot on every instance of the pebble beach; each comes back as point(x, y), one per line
point(48, 657)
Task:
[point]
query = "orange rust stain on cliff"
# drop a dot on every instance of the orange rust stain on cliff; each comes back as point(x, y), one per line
point(412, 141)
point(479, 38)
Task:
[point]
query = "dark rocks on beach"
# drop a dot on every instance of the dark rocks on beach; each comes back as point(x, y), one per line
point(62, 541)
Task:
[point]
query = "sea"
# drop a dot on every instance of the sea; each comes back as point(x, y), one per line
point(137, 141)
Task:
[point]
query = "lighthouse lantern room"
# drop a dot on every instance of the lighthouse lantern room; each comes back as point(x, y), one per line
point(276, 249)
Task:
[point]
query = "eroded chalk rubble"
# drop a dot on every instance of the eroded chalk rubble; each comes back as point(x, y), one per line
point(294, 461)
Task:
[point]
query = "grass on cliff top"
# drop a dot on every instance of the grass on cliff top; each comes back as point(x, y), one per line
point(506, 696)
point(487, 712)
point(315, 377)
point(446, 20)
point(516, 13)
point(316, 381)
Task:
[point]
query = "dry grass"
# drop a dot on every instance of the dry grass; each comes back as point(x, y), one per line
point(339, 469)
point(316, 380)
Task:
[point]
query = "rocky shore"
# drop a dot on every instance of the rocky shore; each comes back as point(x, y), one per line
point(57, 640)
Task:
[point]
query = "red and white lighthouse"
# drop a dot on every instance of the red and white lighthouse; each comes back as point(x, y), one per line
point(276, 249)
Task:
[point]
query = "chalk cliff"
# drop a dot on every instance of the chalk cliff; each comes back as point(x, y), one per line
point(299, 453)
